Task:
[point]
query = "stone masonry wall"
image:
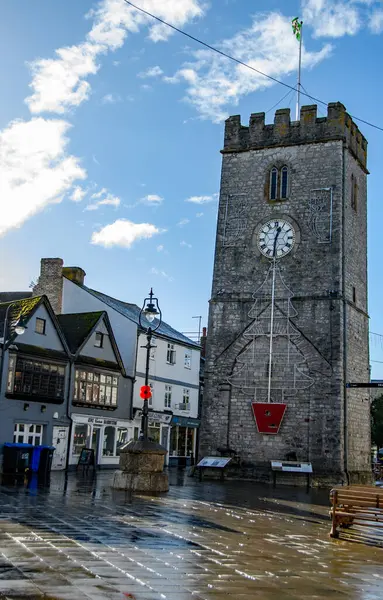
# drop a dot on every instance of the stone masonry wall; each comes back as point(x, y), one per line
point(313, 426)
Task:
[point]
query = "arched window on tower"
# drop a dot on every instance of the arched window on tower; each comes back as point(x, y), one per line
point(273, 183)
point(284, 183)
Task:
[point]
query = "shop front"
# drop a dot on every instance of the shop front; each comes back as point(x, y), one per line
point(159, 428)
point(105, 436)
point(183, 440)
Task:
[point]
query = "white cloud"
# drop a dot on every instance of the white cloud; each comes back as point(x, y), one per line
point(376, 21)
point(78, 194)
point(151, 72)
point(35, 168)
point(60, 83)
point(109, 200)
point(124, 233)
point(111, 99)
point(97, 195)
point(215, 84)
point(199, 215)
point(183, 222)
point(155, 271)
point(202, 199)
point(152, 200)
point(185, 244)
point(146, 87)
point(331, 18)
point(160, 248)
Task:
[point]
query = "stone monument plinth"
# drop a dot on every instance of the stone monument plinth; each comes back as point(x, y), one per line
point(141, 468)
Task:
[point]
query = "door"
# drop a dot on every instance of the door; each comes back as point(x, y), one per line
point(95, 445)
point(60, 442)
point(165, 442)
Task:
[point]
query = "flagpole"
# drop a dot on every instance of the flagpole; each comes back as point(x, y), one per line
point(299, 74)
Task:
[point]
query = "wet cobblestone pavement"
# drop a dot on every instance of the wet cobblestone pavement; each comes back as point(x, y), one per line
point(202, 541)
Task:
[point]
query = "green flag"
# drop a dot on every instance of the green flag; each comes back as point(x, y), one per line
point(297, 26)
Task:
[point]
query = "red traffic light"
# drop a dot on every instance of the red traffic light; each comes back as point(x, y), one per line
point(145, 392)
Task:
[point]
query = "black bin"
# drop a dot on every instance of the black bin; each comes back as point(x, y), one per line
point(45, 464)
point(17, 458)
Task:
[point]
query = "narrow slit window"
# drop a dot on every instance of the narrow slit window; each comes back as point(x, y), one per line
point(284, 182)
point(273, 183)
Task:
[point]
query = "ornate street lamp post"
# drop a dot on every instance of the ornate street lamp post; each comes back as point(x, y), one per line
point(150, 311)
point(141, 467)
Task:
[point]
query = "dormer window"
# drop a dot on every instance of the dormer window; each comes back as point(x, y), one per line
point(279, 183)
point(99, 339)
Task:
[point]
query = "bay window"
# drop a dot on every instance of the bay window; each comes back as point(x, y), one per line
point(94, 387)
point(34, 377)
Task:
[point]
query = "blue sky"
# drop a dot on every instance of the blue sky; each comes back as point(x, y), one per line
point(111, 126)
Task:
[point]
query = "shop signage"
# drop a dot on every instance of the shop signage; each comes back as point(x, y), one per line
point(155, 417)
point(97, 421)
point(185, 421)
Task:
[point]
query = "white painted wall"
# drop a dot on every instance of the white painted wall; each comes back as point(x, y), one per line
point(177, 375)
point(77, 300)
point(49, 340)
point(104, 353)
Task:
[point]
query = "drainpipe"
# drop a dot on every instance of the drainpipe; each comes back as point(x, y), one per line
point(344, 299)
point(68, 404)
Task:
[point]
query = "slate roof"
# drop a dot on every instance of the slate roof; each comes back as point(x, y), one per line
point(9, 296)
point(23, 307)
point(77, 327)
point(132, 311)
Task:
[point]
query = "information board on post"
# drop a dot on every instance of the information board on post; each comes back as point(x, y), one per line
point(216, 462)
point(291, 466)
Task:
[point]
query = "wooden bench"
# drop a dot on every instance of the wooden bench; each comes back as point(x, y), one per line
point(357, 505)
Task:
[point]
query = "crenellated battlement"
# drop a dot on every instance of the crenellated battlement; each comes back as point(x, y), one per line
point(338, 125)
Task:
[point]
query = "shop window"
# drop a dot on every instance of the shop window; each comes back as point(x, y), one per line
point(108, 443)
point(182, 441)
point(122, 439)
point(36, 378)
point(99, 339)
point(154, 432)
point(168, 396)
point(92, 387)
point(171, 355)
point(40, 326)
point(28, 433)
point(187, 359)
point(80, 436)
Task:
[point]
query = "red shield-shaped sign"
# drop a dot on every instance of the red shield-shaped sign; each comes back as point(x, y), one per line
point(268, 416)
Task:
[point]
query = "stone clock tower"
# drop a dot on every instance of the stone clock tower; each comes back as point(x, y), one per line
point(288, 323)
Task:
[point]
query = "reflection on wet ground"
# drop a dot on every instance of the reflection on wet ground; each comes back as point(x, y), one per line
point(210, 540)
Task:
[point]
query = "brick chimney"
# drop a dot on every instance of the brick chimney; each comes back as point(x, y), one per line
point(50, 282)
point(75, 274)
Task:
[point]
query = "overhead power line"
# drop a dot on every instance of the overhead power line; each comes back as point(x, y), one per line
point(240, 62)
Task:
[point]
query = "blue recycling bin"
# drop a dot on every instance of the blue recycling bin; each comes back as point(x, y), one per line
point(17, 458)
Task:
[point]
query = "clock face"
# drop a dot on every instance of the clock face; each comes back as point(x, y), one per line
point(276, 238)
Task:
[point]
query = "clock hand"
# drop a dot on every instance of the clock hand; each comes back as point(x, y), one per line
point(279, 229)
